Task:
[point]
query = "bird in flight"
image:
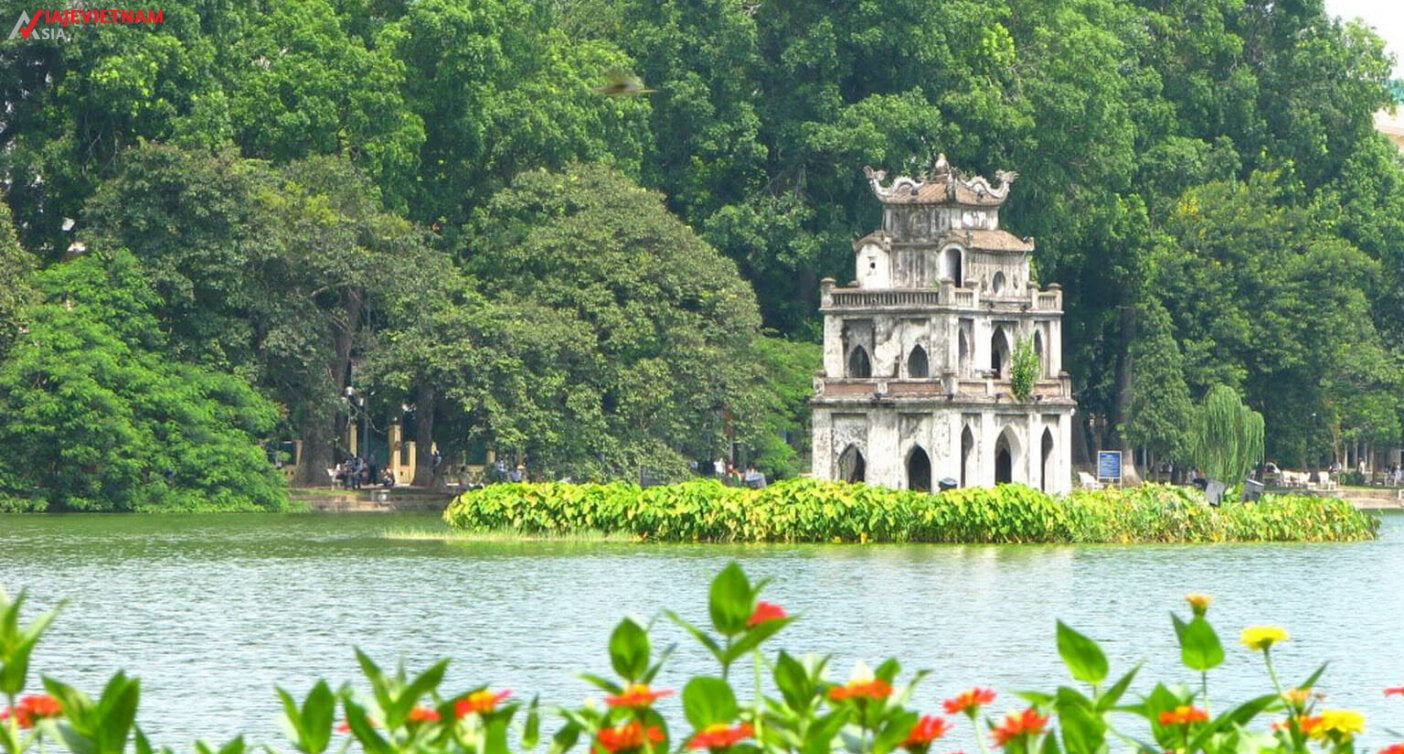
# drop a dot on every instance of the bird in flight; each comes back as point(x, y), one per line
point(623, 84)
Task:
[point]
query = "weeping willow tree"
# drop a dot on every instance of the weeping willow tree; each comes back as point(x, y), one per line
point(1227, 437)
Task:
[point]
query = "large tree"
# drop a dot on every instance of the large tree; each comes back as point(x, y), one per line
point(94, 416)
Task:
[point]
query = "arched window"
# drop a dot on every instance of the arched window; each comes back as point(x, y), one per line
point(1007, 457)
point(999, 352)
point(952, 267)
point(1038, 349)
point(859, 365)
point(917, 366)
point(851, 466)
point(998, 283)
point(918, 470)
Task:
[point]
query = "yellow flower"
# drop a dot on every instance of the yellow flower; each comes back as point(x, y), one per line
point(1262, 637)
point(1199, 602)
point(1339, 725)
point(1298, 697)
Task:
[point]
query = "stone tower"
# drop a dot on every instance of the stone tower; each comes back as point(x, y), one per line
point(917, 350)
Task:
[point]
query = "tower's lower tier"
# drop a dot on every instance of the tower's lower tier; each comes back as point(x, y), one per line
point(916, 445)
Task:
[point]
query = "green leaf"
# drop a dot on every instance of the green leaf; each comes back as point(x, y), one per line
point(894, 732)
point(312, 723)
point(1199, 645)
point(1084, 730)
point(531, 729)
point(730, 600)
point(1083, 657)
point(794, 682)
point(565, 739)
point(1111, 696)
point(697, 633)
point(708, 700)
point(629, 650)
point(603, 683)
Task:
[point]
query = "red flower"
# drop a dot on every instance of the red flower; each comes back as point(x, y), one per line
point(481, 702)
point(876, 689)
point(1393, 749)
point(33, 707)
point(927, 729)
point(627, 737)
point(969, 701)
point(765, 612)
point(1308, 723)
point(720, 736)
point(1016, 724)
point(345, 725)
point(423, 715)
point(1183, 715)
point(637, 695)
point(1394, 690)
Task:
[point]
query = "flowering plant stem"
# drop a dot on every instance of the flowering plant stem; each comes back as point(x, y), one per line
point(757, 714)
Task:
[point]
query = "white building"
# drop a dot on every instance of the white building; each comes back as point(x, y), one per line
point(917, 351)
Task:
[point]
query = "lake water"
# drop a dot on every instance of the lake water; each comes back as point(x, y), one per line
point(211, 611)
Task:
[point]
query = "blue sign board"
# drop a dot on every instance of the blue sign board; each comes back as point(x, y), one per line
point(1109, 465)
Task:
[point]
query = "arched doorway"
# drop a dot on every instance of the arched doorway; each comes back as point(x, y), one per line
point(918, 470)
point(851, 466)
point(1004, 460)
point(1047, 470)
point(999, 352)
point(859, 365)
point(917, 366)
point(967, 456)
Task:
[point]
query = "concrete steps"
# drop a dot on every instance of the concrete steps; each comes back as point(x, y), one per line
point(375, 500)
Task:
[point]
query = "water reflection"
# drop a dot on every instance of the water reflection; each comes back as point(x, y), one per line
point(212, 611)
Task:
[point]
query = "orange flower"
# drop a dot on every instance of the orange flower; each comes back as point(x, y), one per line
point(627, 737)
point(637, 695)
point(720, 736)
point(927, 729)
point(33, 707)
point(481, 702)
point(1393, 749)
point(1309, 723)
point(765, 612)
point(1183, 715)
point(876, 689)
point(1394, 690)
point(1016, 724)
point(423, 715)
point(969, 701)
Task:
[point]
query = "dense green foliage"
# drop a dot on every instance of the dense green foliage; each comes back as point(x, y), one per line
point(323, 193)
point(810, 511)
point(93, 416)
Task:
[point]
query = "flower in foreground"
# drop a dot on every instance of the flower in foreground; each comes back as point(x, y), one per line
point(423, 715)
point(1394, 690)
point(1183, 715)
point(1297, 697)
point(1393, 749)
point(33, 707)
point(1199, 602)
point(627, 737)
point(720, 736)
point(764, 613)
point(927, 729)
point(1017, 724)
point(481, 702)
point(1262, 637)
point(637, 695)
point(969, 701)
point(1338, 725)
point(876, 689)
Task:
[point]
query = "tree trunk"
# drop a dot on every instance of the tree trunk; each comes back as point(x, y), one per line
point(425, 404)
point(317, 454)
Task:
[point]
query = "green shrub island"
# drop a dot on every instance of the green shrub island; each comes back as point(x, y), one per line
point(805, 510)
point(876, 711)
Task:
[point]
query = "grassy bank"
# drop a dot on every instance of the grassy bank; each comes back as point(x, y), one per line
point(811, 511)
